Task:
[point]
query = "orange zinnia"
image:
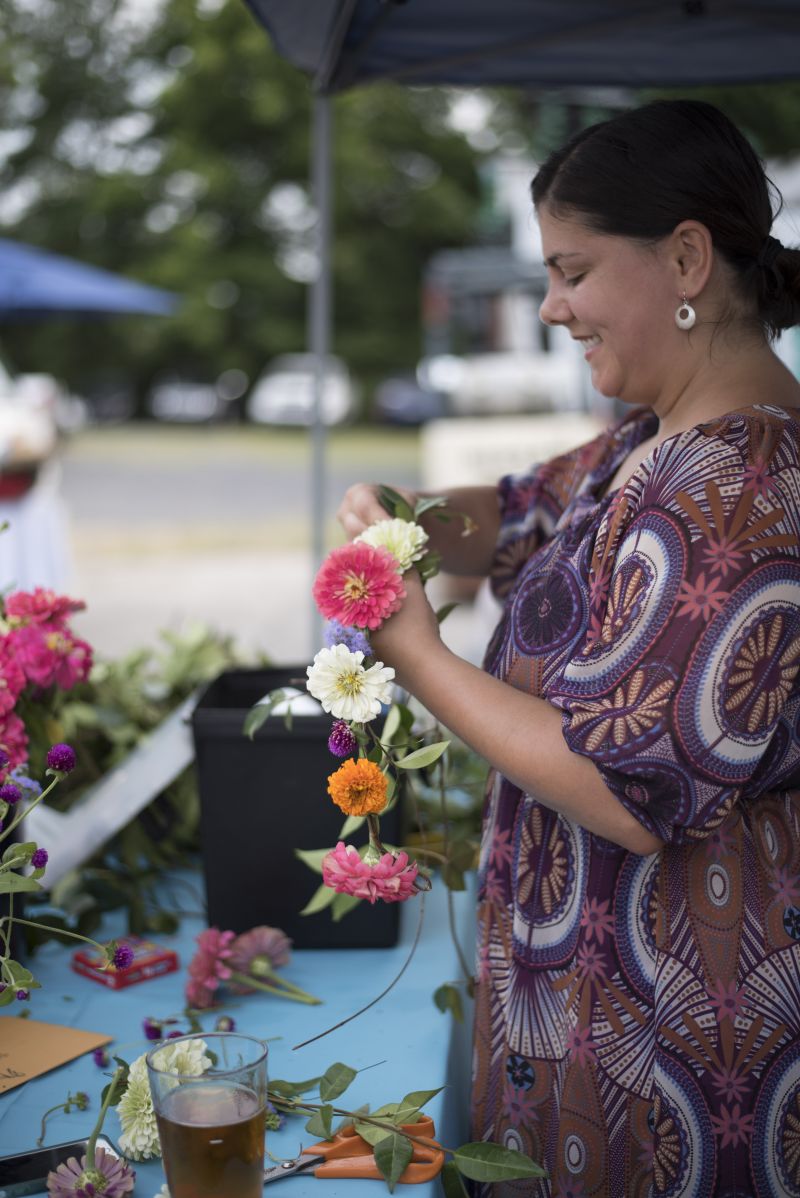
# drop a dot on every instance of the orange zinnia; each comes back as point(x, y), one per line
point(358, 787)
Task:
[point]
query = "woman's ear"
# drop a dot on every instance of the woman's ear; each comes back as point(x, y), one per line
point(692, 255)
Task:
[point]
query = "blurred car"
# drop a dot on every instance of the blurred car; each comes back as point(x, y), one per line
point(401, 400)
point(284, 393)
point(185, 401)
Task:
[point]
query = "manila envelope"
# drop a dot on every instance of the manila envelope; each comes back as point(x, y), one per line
point(28, 1048)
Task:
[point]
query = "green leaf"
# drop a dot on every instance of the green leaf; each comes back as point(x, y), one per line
point(427, 503)
point(20, 978)
point(259, 714)
point(452, 1183)
point(391, 725)
point(491, 1162)
point(288, 1089)
point(418, 1098)
point(291, 1089)
point(7, 996)
point(429, 565)
point(24, 849)
point(321, 1122)
point(342, 905)
point(394, 503)
point(441, 614)
point(312, 858)
point(351, 825)
point(322, 897)
point(424, 756)
point(392, 1155)
point(453, 877)
point(448, 998)
point(11, 883)
point(335, 1081)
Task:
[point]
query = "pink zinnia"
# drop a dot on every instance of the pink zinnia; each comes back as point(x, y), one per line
point(13, 739)
point(208, 967)
point(359, 585)
point(42, 606)
point(260, 946)
point(12, 677)
point(51, 656)
point(390, 878)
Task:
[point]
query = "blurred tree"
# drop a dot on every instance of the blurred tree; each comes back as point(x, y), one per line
point(176, 151)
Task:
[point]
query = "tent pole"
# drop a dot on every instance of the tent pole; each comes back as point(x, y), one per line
point(319, 330)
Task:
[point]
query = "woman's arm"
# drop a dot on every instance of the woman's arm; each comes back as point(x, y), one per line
point(517, 733)
point(461, 554)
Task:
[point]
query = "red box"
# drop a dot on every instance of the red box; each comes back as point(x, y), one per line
point(149, 961)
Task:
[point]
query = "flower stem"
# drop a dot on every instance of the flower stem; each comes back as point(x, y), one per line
point(382, 994)
point(451, 918)
point(284, 988)
point(35, 803)
point(43, 927)
point(98, 1127)
point(60, 1106)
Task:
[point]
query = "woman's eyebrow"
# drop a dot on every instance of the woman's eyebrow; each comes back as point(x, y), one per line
point(554, 259)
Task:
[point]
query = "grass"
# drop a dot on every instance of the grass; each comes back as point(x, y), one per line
point(376, 444)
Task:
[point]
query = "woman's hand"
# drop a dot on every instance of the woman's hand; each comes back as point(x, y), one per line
point(360, 507)
point(409, 639)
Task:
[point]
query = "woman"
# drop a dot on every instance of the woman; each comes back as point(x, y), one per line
point(638, 999)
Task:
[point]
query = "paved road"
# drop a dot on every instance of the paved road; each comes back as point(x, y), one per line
point(173, 526)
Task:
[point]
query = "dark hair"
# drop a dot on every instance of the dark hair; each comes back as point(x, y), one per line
point(641, 173)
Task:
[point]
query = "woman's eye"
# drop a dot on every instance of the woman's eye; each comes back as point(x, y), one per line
point(574, 280)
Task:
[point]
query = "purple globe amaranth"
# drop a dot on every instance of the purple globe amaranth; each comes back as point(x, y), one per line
point(62, 758)
point(4, 759)
point(153, 1029)
point(10, 793)
point(123, 956)
point(342, 741)
point(39, 859)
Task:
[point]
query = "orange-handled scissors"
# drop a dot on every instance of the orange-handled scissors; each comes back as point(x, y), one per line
point(348, 1155)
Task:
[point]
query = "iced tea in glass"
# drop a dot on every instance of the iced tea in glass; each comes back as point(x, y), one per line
point(212, 1125)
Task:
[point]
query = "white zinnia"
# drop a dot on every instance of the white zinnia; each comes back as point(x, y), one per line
point(345, 689)
point(405, 540)
point(139, 1139)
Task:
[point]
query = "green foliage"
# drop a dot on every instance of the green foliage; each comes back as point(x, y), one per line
point(485, 1161)
point(392, 1154)
point(175, 148)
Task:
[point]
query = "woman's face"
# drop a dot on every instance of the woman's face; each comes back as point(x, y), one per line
point(618, 300)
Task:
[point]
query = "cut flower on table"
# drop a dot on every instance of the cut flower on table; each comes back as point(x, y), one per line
point(245, 964)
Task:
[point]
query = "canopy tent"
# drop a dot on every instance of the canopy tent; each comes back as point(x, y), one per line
point(538, 43)
point(533, 43)
point(36, 283)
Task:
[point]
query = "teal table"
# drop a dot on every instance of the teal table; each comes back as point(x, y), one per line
point(401, 1044)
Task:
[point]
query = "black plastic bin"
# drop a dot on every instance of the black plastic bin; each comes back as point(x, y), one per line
point(261, 799)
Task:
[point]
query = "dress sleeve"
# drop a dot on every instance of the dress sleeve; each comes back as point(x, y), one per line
point(684, 691)
point(531, 504)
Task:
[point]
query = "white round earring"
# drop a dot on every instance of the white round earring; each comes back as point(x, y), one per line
point(685, 316)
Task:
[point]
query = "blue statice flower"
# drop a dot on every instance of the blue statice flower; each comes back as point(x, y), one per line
point(30, 789)
point(353, 638)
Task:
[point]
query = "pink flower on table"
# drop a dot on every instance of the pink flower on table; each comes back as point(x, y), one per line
point(13, 739)
point(41, 606)
point(257, 952)
point(110, 1177)
point(51, 656)
point(12, 677)
point(390, 878)
point(209, 966)
point(360, 585)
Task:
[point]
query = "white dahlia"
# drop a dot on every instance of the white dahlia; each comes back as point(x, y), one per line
point(345, 689)
point(405, 540)
point(139, 1139)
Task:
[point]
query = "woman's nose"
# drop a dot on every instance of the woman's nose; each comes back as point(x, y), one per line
point(554, 308)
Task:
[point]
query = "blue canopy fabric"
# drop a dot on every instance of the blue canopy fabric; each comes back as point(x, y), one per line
point(34, 282)
point(537, 43)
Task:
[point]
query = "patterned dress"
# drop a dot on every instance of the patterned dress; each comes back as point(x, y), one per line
point(638, 1018)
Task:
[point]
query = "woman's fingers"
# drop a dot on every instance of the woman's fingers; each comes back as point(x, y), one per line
point(360, 508)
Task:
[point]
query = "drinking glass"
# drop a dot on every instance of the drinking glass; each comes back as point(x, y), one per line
point(212, 1126)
